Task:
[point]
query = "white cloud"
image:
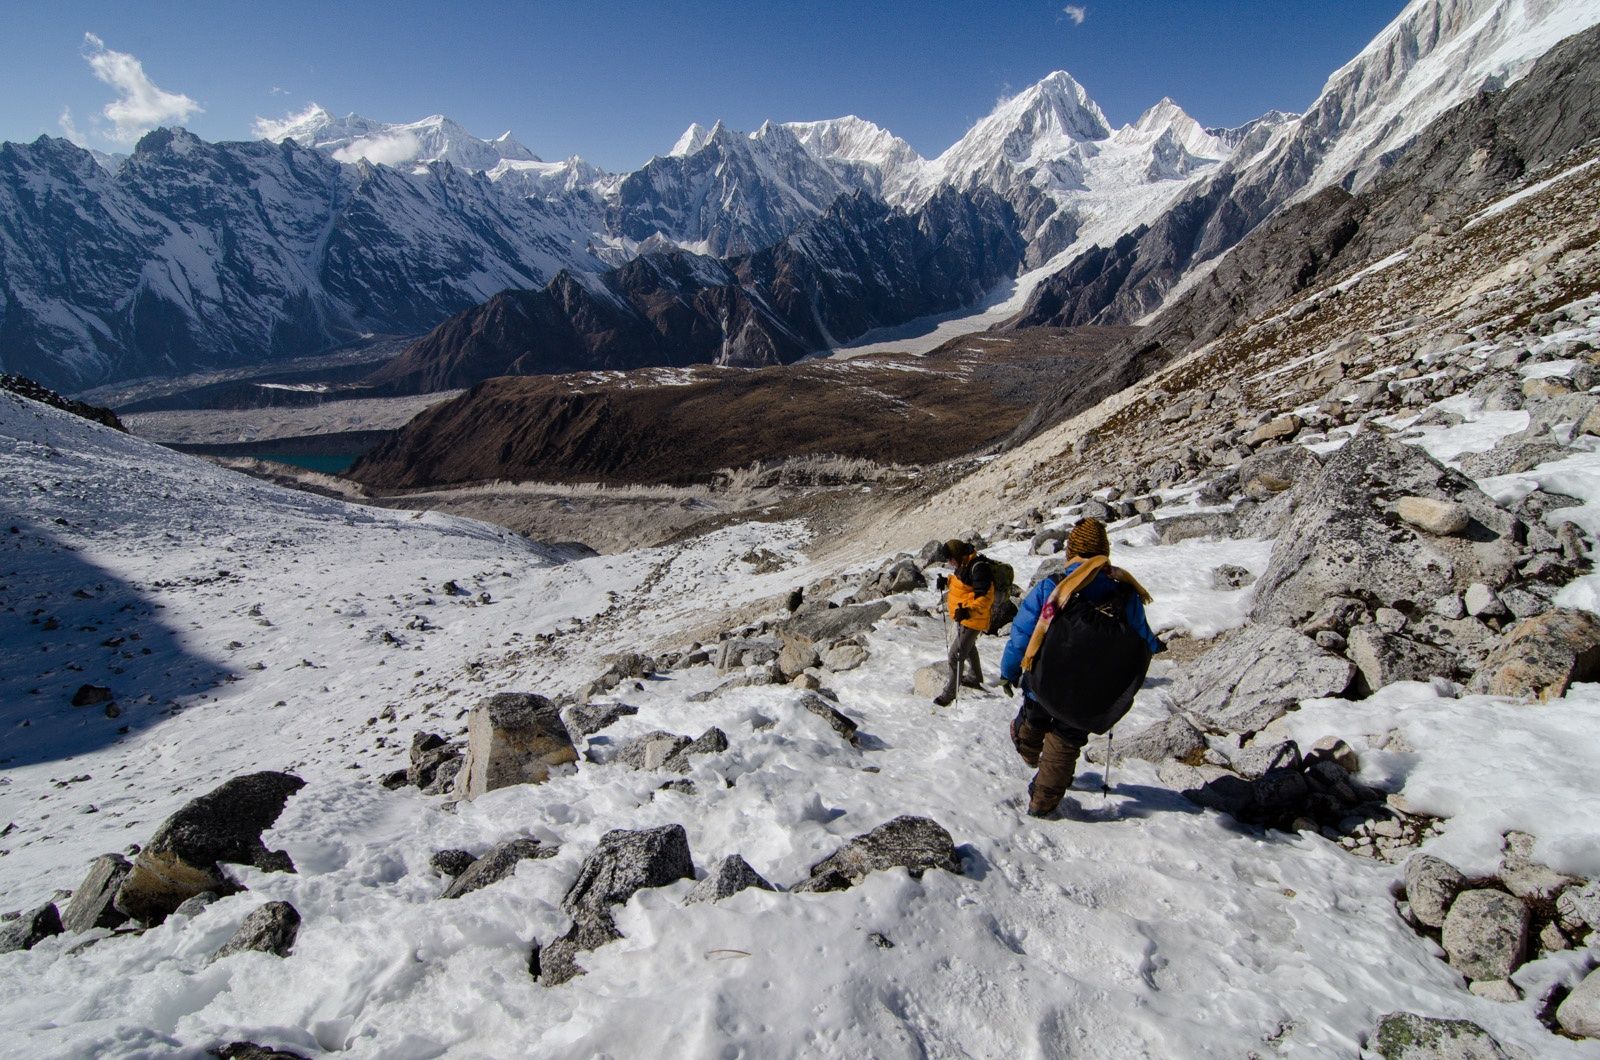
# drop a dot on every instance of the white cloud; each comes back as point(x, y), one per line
point(141, 105)
point(389, 149)
point(277, 90)
point(1076, 12)
point(69, 128)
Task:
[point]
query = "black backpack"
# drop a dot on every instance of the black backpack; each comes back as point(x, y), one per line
point(1004, 608)
point(1091, 663)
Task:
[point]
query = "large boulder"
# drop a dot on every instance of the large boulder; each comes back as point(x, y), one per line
point(623, 863)
point(91, 904)
point(1346, 540)
point(185, 856)
point(1431, 885)
point(1257, 676)
point(1579, 1014)
point(915, 843)
point(1408, 1036)
point(832, 624)
point(513, 738)
point(30, 929)
point(1541, 656)
point(501, 861)
point(269, 929)
point(1485, 934)
point(730, 875)
point(1383, 658)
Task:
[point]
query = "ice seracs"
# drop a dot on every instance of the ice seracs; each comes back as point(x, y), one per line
point(351, 138)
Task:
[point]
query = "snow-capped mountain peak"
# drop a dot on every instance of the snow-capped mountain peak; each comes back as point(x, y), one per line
point(692, 140)
point(435, 138)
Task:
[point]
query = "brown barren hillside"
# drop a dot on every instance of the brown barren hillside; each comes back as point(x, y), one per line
point(678, 426)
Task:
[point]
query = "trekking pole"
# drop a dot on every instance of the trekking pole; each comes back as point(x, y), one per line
point(1105, 784)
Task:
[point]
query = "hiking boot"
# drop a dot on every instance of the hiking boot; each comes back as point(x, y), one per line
point(944, 699)
point(972, 682)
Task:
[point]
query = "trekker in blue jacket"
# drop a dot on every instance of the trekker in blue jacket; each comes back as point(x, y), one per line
point(1044, 742)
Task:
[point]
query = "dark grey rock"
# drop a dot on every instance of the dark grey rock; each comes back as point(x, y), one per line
point(557, 962)
point(185, 855)
point(1431, 885)
point(196, 905)
point(501, 861)
point(625, 862)
point(91, 696)
point(429, 751)
point(712, 741)
point(1408, 1036)
point(589, 718)
point(730, 875)
point(1229, 576)
point(652, 750)
point(838, 722)
point(252, 1051)
point(834, 623)
point(1485, 934)
point(271, 928)
point(915, 843)
point(91, 903)
point(30, 929)
point(444, 777)
point(451, 863)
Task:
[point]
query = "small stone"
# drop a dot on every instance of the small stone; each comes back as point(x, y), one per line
point(1579, 907)
point(193, 907)
point(1281, 427)
point(589, 718)
point(500, 862)
point(837, 721)
point(1435, 516)
point(1331, 640)
point(1389, 620)
point(91, 696)
point(1482, 602)
point(451, 863)
point(928, 681)
point(712, 741)
point(1333, 749)
point(731, 875)
point(1431, 885)
point(1450, 607)
point(271, 928)
point(880, 940)
point(1229, 576)
point(1501, 990)
point(1552, 939)
point(30, 929)
point(842, 657)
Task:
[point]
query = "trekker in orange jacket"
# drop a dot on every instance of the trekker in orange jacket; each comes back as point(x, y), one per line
point(970, 597)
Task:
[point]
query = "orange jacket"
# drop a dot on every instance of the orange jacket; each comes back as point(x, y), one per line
point(978, 604)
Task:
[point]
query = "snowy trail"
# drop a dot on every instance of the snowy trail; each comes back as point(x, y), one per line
point(1150, 928)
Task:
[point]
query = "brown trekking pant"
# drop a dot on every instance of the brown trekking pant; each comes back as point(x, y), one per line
point(1051, 747)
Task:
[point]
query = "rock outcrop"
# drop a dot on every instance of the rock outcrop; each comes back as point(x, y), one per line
point(914, 843)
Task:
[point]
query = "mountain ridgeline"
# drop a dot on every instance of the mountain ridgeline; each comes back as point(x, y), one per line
point(858, 266)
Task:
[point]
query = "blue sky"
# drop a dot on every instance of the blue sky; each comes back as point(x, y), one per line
point(618, 82)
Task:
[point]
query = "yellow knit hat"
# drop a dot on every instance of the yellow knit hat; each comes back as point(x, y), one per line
point(1088, 538)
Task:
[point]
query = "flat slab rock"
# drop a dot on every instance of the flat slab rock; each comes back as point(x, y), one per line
point(914, 843)
point(1257, 676)
point(91, 903)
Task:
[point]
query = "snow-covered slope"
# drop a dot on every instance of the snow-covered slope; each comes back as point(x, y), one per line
point(353, 138)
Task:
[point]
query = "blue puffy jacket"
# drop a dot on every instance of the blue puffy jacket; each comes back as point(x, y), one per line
point(1101, 587)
